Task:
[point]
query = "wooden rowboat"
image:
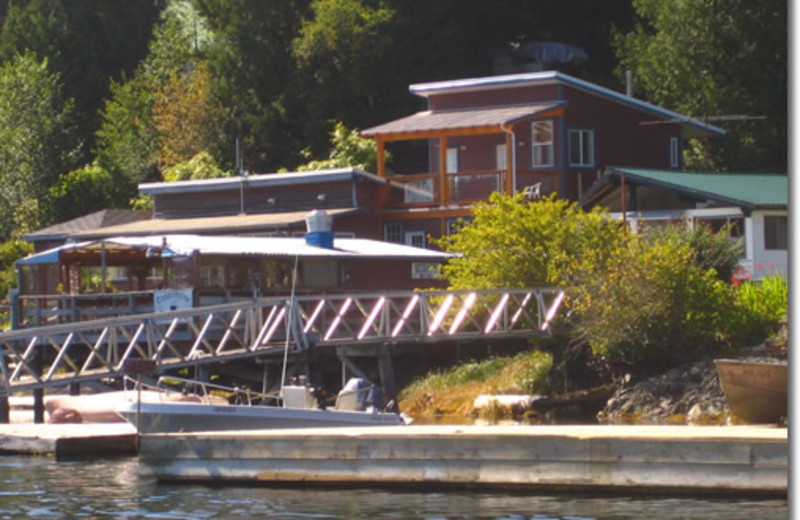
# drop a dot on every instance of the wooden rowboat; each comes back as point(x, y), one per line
point(756, 391)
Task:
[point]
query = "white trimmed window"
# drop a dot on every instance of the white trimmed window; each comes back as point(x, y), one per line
point(415, 238)
point(581, 147)
point(776, 232)
point(542, 144)
point(452, 160)
point(500, 157)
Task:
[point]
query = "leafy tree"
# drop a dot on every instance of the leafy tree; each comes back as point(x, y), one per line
point(513, 243)
point(11, 251)
point(128, 141)
point(699, 56)
point(251, 65)
point(82, 191)
point(348, 150)
point(36, 141)
point(201, 166)
point(654, 305)
point(185, 117)
point(86, 43)
point(340, 53)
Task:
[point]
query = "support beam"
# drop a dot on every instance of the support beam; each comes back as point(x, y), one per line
point(386, 371)
point(443, 184)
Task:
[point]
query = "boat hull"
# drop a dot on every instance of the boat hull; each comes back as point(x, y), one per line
point(192, 417)
point(756, 392)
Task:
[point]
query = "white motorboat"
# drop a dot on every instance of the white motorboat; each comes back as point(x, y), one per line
point(299, 409)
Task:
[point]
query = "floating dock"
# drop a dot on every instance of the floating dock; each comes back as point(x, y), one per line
point(68, 440)
point(679, 459)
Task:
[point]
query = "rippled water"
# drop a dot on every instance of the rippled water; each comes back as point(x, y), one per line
point(41, 487)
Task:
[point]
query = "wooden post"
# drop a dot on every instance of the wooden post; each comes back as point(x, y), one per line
point(444, 196)
point(5, 408)
point(511, 165)
point(386, 372)
point(383, 190)
point(38, 393)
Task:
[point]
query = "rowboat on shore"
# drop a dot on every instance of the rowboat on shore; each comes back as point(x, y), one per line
point(756, 391)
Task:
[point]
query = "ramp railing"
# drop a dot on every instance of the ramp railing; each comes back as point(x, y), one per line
point(58, 355)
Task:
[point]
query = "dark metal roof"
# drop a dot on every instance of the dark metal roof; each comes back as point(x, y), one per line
point(207, 225)
point(692, 125)
point(88, 223)
point(256, 181)
point(439, 120)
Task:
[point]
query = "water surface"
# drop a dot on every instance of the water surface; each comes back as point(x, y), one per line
point(42, 487)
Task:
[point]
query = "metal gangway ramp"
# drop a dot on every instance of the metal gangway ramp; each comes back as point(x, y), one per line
point(59, 355)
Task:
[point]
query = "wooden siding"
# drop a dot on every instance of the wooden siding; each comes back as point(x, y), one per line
point(372, 275)
point(621, 138)
point(256, 200)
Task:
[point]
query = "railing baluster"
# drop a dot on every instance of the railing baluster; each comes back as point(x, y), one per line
point(381, 317)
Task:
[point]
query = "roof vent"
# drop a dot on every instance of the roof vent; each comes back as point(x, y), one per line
point(319, 229)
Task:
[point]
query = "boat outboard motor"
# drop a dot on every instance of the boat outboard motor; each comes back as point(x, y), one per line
point(355, 396)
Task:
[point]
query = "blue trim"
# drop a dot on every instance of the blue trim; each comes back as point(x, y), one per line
point(46, 257)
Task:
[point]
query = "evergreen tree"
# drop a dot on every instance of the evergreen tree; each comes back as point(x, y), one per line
point(719, 60)
point(36, 141)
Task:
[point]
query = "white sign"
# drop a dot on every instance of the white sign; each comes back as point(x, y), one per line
point(172, 300)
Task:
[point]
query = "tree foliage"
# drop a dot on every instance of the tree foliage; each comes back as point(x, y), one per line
point(86, 43)
point(716, 59)
point(513, 243)
point(186, 118)
point(653, 305)
point(340, 51)
point(36, 141)
point(82, 191)
point(639, 301)
point(348, 150)
point(130, 137)
point(201, 166)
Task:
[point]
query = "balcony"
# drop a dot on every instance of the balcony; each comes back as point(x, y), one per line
point(463, 188)
point(424, 190)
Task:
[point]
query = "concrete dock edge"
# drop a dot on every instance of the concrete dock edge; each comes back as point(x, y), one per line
point(68, 440)
point(677, 459)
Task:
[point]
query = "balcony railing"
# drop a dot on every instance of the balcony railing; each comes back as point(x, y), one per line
point(423, 190)
point(462, 187)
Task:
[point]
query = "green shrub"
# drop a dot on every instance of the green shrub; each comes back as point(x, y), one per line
point(654, 305)
point(453, 391)
point(760, 308)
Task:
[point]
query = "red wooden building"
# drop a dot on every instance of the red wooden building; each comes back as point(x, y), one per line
point(535, 133)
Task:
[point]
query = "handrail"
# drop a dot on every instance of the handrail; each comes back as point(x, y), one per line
point(72, 353)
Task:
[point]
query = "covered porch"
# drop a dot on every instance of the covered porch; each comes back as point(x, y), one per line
point(128, 275)
point(471, 153)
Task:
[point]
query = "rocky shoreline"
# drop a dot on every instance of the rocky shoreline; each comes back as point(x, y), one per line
point(689, 394)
